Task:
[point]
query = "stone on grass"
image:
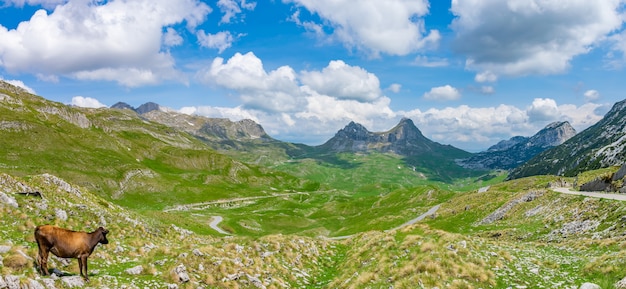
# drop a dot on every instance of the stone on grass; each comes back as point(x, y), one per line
point(181, 273)
point(73, 281)
point(134, 270)
point(589, 286)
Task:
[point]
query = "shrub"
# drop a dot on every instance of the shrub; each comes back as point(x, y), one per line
point(15, 261)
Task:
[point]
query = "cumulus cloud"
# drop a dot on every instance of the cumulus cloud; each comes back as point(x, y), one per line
point(232, 8)
point(395, 87)
point(172, 38)
point(591, 95)
point(220, 41)
point(113, 40)
point(86, 102)
point(543, 109)
point(343, 82)
point(445, 92)
point(276, 90)
point(486, 76)
point(394, 27)
point(530, 37)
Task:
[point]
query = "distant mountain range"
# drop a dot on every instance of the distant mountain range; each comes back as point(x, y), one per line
point(509, 154)
point(405, 140)
point(556, 149)
point(598, 146)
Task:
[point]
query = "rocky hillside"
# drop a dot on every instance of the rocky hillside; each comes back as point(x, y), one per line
point(599, 146)
point(514, 152)
point(213, 129)
point(244, 140)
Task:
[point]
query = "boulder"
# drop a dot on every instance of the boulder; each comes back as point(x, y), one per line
point(134, 270)
point(621, 284)
point(589, 286)
point(12, 282)
point(73, 281)
point(4, 198)
point(181, 273)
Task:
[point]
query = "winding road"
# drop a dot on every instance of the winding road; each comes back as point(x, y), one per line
point(430, 212)
point(214, 222)
point(619, 197)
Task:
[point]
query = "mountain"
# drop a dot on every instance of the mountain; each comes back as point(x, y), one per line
point(405, 140)
point(599, 146)
point(511, 153)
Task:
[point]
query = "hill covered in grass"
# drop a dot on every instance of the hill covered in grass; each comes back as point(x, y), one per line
point(533, 244)
point(121, 156)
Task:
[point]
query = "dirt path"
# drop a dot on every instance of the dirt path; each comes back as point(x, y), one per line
point(216, 220)
point(430, 212)
point(619, 197)
point(203, 205)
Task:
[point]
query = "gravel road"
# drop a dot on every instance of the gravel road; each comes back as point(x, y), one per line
point(619, 197)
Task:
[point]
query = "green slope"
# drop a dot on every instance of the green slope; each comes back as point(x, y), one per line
point(137, 163)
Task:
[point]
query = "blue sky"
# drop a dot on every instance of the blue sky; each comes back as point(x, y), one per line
point(468, 72)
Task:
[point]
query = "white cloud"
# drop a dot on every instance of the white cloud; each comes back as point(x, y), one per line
point(86, 102)
point(430, 62)
point(276, 90)
point(83, 38)
point(445, 92)
point(394, 27)
point(343, 82)
point(231, 8)
point(487, 89)
point(172, 38)
point(395, 87)
point(517, 37)
point(543, 109)
point(591, 95)
point(19, 83)
point(476, 128)
point(220, 41)
point(44, 3)
point(486, 76)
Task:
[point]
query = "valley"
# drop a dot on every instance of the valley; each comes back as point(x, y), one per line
point(364, 210)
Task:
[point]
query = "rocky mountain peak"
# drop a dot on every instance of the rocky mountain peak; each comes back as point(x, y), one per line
point(553, 134)
point(123, 105)
point(142, 109)
point(403, 139)
point(147, 107)
point(353, 131)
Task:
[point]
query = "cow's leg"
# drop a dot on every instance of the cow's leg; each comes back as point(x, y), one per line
point(43, 261)
point(82, 264)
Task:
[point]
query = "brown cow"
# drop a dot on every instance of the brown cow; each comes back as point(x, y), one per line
point(67, 244)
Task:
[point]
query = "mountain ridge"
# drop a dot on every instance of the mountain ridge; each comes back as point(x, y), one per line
point(600, 145)
point(508, 154)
